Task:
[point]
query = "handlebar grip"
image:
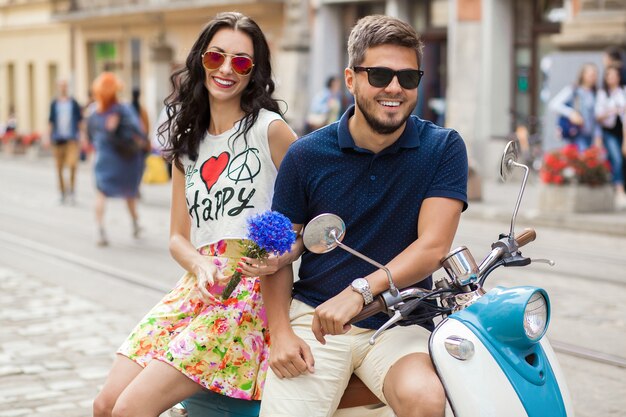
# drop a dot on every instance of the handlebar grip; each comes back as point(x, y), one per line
point(527, 236)
point(375, 307)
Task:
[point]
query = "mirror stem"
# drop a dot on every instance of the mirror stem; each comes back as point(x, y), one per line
point(392, 288)
point(519, 196)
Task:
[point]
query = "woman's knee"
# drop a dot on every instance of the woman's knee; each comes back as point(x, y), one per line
point(103, 405)
point(123, 409)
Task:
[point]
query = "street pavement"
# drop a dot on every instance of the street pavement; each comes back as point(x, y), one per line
point(56, 346)
point(499, 200)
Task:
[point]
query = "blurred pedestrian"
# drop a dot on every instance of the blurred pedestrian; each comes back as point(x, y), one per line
point(160, 135)
point(326, 105)
point(160, 140)
point(119, 143)
point(610, 112)
point(576, 105)
point(140, 110)
point(226, 138)
point(65, 123)
point(10, 128)
point(614, 57)
point(86, 148)
point(142, 114)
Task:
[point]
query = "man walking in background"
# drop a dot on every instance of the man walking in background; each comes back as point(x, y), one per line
point(65, 126)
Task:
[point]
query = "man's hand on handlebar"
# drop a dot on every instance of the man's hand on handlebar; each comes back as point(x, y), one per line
point(332, 316)
point(290, 356)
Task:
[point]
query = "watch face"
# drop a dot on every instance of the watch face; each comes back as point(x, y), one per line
point(360, 284)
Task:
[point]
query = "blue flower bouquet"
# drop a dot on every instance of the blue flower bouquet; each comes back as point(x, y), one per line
point(270, 232)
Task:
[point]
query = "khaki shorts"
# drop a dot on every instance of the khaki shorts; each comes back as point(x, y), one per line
point(318, 394)
point(67, 153)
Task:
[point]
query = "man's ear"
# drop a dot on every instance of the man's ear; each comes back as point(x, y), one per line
point(349, 74)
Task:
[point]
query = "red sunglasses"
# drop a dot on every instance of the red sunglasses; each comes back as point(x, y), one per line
point(241, 64)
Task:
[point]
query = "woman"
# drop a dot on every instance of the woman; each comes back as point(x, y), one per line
point(118, 174)
point(610, 108)
point(226, 141)
point(577, 104)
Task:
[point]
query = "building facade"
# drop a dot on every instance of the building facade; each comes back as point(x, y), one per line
point(489, 64)
point(35, 52)
point(141, 41)
point(484, 60)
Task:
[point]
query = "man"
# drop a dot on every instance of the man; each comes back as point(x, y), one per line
point(399, 183)
point(65, 119)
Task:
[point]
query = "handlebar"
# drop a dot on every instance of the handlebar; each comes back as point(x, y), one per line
point(375, 307)
point(379, 304)
point(524, 238)
point(503, 246)
point(383, 301)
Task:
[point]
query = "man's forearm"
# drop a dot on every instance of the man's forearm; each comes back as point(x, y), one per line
point(410, 266)
point(276, 292)
point(438, 222)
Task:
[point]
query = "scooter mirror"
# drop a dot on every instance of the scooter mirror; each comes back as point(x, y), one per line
point(509, 157)
point(323, 233)
point(508, 162)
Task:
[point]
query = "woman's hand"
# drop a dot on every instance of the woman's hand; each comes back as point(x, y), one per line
point(576, 118)
point(252, 267)
point(207, 273)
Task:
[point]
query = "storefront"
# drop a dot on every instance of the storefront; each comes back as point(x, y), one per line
point(534, 24)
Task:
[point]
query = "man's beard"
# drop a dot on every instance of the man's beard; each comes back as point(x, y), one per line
point(378, 126)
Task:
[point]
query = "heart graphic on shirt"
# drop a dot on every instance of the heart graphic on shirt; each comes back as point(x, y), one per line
point(212, 168)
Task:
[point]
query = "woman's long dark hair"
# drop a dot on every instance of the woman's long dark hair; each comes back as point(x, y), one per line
point(188, 110)
point(605, 86)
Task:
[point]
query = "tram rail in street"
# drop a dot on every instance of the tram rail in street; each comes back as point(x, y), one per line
point(140, 281)
point(588, 354)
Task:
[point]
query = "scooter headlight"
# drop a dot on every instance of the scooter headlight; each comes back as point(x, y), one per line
point(517, 316)
point(536, 316)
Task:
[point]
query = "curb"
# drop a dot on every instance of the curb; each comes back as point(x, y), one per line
point(607, 224)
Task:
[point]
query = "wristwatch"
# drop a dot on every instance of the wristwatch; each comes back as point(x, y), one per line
point(361, 286)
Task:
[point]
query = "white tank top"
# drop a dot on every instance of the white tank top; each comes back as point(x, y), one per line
point(230, 182)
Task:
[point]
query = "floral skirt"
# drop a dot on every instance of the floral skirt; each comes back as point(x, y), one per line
point(222, 345)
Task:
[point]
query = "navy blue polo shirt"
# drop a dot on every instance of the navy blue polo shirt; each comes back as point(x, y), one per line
point(378, 196)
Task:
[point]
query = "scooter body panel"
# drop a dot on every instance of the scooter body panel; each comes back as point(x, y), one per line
point(560, 377)
point(509, 374)
point(475, 387)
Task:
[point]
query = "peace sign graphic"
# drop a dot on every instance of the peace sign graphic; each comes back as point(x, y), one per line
point(245, 166)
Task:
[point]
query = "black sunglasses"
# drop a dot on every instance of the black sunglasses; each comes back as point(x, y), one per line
point(380, 77)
